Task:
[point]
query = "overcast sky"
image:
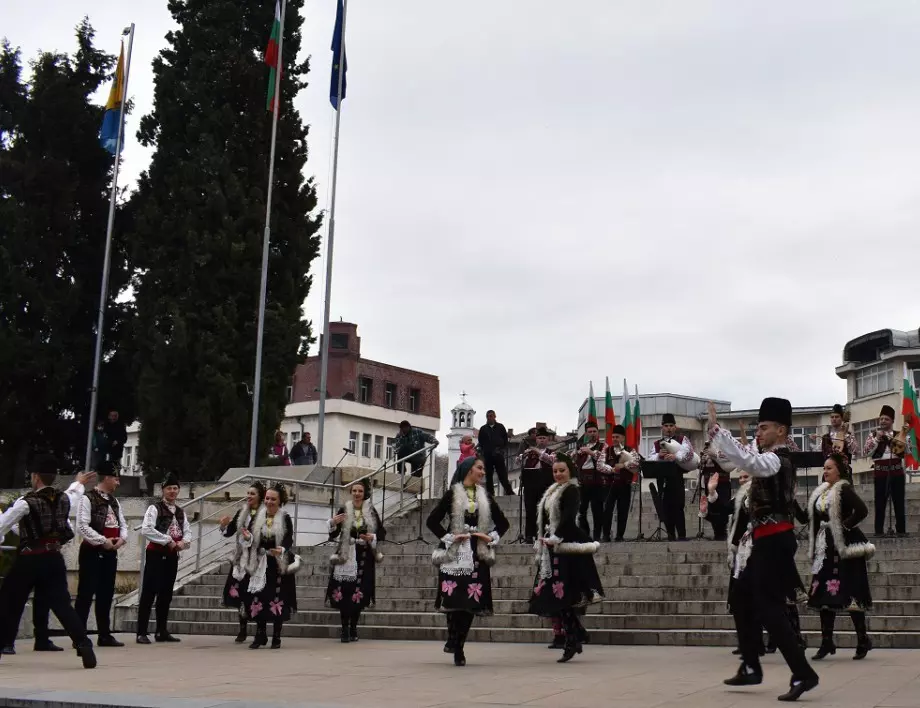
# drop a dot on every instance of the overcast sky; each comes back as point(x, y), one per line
point(707, 198)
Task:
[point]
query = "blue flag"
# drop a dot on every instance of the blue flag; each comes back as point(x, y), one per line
point(337, 39)
point(111, 122)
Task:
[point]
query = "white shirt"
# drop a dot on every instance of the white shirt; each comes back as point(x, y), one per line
point(684, 454)
point(19, 509)
point(759, 464)
point(149, 531)
point(84, 509)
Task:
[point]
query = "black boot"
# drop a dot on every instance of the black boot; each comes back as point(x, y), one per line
point(558, 642)
point(792, 612)
point(353, 628)
point(261, 638)
point(276, 635)
point(86, 654)
point(241, 637)
point(345, 638)
point(572, 647)
point(797, 688)
point(863, 643)
point(827, 635)
point(462, 626)
point(451, 644)
point(746, 676)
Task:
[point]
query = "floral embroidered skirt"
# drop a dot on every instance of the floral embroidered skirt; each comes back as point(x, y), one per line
point(350, 595)
point(276, 601)
point(840, 584)
point(470, 592)
point(573, 582)
point(234, 589)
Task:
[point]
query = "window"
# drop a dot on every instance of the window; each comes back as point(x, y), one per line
point(353, 441)
point(415, 398)
point(338, 341)
point(289, 393)
point(802, 437)
point(390, 448)
point(366, 445)
point(915, 378)
point(389, 395)
point(649, 436)
point(874, 379)
point(129, 451)
point(862, 430)
point(378, 447)
point(365, 389)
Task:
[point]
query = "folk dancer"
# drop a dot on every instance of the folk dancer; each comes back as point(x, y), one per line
point(589, 462)
point(536, 478)
point(271, 593)
point(889, 473)
point(825, 444)
point(672, 492)
point(765, 573)
point(839, 551)
point(102, 525)
point(621, 471)
point(240, 529)
point(167, 531)
point(493, 443)
point(353, 582)
point(465, 552)
point(41, 619)
point(43, 530)
point(566, 581)
point(715, 486)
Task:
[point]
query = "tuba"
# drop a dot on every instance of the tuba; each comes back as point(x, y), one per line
point(898, 443)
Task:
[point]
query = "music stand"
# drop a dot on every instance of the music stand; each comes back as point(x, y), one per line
point(805, 461)
point(660, 470)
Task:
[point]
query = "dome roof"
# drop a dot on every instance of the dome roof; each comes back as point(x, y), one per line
point(463, 405)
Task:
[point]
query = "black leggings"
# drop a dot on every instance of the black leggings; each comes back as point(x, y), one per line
point(571, 625)
point(349, 618)
point(458, 627)
point(262, 627)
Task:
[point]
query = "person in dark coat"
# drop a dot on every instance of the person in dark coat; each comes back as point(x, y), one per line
point(493, 443)
point(116, 436)
point(240, 528)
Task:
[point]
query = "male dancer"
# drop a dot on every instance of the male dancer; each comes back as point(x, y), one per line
point(889, 473)
point(620, 477)
point(589, 461)
point(672, 494)
point(167, 531)
point(41, 619)
point(43, 530)
point(104, 530)
point(765, 572)
point(536, 478)
point(825, 444)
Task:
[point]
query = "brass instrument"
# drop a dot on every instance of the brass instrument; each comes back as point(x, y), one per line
point(899, 442)
point(839, 442)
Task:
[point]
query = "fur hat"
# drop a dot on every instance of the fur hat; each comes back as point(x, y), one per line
point(775, 410)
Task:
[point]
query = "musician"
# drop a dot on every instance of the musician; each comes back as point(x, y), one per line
point(672, 492)
point(889, 473)
point(825, 444)
point(715, 485)
point(620, 471)
point(588, 462)
point(536, 478)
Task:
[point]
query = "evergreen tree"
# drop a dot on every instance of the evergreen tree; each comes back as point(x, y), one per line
point(197, 233)
point(54, 195)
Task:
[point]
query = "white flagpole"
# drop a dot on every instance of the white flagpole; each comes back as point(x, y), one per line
point(257, 382)
point(107, 259)
point(324, 341)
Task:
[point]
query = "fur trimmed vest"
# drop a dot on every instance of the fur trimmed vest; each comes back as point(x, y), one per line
point(240, 557)
point(340, 556)
point(740, 496)
point(288, 563)
point(458, 509)
point(863, 549)
point(552, 500)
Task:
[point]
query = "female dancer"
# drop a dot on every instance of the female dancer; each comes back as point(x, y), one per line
point(271, 593)
point(465, 553)
point(241, 527)
point(839, 551)
point(567, 578)
point(352, 583)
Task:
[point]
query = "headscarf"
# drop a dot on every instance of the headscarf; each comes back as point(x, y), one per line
point(463, 470)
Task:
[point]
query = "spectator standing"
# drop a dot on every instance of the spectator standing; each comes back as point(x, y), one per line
point(493, 441)
point(116, 436)
point(467, 448)
point(100, 446)
point(279, 454)
point(412, 440)
point(304, 452)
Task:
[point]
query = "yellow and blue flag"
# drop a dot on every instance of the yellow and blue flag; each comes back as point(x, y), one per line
point(108, 136)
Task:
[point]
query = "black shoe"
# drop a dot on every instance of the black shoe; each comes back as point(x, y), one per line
point(259, 641)
point(276, 643)
point(618, 539)
point(345, 638)
point(107, 640)
point(9, 651)
point(241, 637)
point(744, 678)
point(449, 646)
point(570, 651)
point(165, 637)
point(770, 648)
point(605, 539)
point(353, 635)
point(142, 639)
point(796, 689)
point(87, 654)
point(736, 652)
point(825, 649)
point(459, 658)
point(46, 645)
point(862, 648)
point(558, 642)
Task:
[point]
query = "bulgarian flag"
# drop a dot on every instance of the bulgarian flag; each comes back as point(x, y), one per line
point(627, 415)
point(637, 422)
point(610, 419)
point(592, 406)
point(909, 410)
point(273, 59)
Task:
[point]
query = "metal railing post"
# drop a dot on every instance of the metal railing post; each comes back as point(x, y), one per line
point(296, 508)
point(200, 534)
point(383, 511)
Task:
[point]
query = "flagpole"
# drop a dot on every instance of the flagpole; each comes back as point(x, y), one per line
point(324, 341)
point(107, 258)
point(263, 286)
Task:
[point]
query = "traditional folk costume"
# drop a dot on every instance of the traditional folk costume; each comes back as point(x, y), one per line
point(594, 485)
point(715, 503)
point(464, 579)
point(43, 530)
point(825, 443)
point(99, 519)
point(765, 573)
point(566, 580)
point(839, 551)
point(889, 477)
point(536, 478)
point(352, 584)
point(271, 593)
point(672, 492)
point(237, 580)
point(163, 524)
point(619, 484)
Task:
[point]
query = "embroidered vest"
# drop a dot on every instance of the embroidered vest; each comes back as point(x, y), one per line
point(47, 517)
point(774, 497)
point(99, 510)
point(165, 517)
point(590, 476)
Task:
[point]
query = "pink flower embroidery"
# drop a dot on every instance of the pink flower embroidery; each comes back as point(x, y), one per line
point(474, 591)
point(234, 590)
point(814, 586)
point(558, 590)
point(448, 586)
point(337, 594)
point(357, 596)
point(555, 573)
point(833, 586)
point(538, 588)
point(475, 575)
point(276, 607)
point(255, 608)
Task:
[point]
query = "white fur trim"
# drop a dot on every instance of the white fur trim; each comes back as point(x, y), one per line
point(240, 548)
point(458, 507)
point(570, 548)
point(856, 550)
point(341, 554)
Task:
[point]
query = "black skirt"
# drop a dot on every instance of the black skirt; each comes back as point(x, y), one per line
point(841, 583)
point(277, 600)
point(354, 595)
point(466, 592)
point(574, 584)
point(234, 590)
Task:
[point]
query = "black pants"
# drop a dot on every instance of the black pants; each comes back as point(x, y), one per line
point(592, 495)
point(458, 628)
point(884, 487)
point(672, 503)
point(414, 465)
point(760, 601)
point(159, 576)
point(571, 626)
point(97, 579)
point(618, 497)
point(46, 574)
point(533, 493)
point(496, 463)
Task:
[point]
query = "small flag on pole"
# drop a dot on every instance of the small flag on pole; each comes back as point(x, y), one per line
point(592, 406)
point(273, 59)
point(610, 420)
point(909, 409)
point(627, 416)
point(337, 56)
point(108, 135)
point(637, 422)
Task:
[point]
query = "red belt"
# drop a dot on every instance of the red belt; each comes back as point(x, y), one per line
point(771, 529)
point(41, 547)
point(157, 548)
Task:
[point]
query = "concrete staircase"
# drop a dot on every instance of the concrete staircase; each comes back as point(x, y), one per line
point(656, 593)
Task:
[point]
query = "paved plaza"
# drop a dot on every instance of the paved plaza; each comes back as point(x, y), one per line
point(202, 672)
